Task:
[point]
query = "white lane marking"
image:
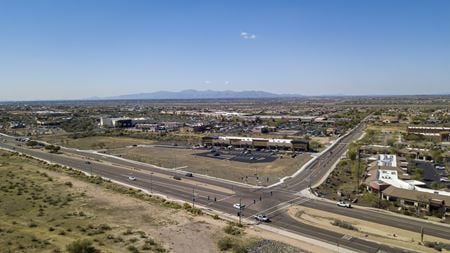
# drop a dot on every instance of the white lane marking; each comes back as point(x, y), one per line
point(181, 188)
point(347, 237)
point(280, 204)
point(227, 197)
point(287, 206)
point(281, 208)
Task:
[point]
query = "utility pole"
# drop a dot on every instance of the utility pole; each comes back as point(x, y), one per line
point(151, 182)
point(357, 170)
point(240, 210)
point(193, 197)
point(421, 234)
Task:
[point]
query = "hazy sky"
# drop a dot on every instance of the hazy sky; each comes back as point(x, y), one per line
point(77, 49)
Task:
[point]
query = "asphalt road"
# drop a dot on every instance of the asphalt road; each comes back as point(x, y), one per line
point(220, 195)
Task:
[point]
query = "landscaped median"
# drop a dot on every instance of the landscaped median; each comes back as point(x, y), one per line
point(367, 230)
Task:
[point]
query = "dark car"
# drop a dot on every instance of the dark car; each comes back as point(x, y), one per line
point(189, 174)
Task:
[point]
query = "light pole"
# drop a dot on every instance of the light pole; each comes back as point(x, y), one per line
point(240, 210)
point(193, 197)
point(151, 182)
point(357, 171)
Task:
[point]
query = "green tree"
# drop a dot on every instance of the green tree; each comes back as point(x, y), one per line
point(436, 155)
point(32, 143)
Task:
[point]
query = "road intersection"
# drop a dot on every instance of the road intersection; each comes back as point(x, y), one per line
point(220, 195)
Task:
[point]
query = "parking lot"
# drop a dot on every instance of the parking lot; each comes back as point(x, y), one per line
point(235, 165)
point(245, 156)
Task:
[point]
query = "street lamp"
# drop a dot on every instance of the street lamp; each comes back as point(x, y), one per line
point(151, 182)
point(193, 197)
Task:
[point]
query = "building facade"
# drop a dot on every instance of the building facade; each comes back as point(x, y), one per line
point(248, 142)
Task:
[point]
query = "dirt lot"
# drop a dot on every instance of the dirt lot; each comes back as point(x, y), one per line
point(363, 229)
point(94, 142)
point(44, 208)
point(186, 159)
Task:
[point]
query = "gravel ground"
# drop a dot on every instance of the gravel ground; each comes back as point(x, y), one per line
point(267, 246)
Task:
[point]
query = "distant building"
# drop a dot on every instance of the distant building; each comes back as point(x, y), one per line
point(390, 119)
point(248, 142)
point(437, 133)
point(263, 129)
point(431, 202)
point(387, 160)
point(15, 125)
point(122, 122)
point(193, 128)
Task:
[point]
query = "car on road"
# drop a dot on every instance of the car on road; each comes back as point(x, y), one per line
point(176, 177)
point(216, 154)
point(131, 178)
point(189, 174)
point(239, 206)
point(87, 162)
point(262, 217)
point(344, 204)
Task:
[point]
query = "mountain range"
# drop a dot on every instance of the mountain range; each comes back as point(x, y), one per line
point(199, 94)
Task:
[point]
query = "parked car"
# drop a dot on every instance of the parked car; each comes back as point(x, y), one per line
point(216, 154)
point(239, 206)
point(176, 177)
point(189, 174)
point(87, 162)
point(262, 217)
point(344, 204)
point(131, 178)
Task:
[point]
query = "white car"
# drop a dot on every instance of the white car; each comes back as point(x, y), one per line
point(131, 178)
point(239, 206)
point(262, 217)
point(344, 204)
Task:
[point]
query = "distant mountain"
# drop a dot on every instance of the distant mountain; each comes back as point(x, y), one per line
point(199, 94)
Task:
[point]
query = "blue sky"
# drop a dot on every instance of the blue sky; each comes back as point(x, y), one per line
point(77, 49)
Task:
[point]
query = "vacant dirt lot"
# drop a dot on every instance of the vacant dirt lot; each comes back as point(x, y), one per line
point(44, 208)
point(94, 142)
point(233, 170)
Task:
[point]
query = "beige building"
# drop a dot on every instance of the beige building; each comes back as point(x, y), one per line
point(248, 142)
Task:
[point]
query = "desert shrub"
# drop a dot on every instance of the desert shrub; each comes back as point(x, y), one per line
point(150, 244)
point(232, 230)
point(344, 224)
point(133, 249)
point(439, 246)
point(239, 248)
point(225, 243)
point(128, 232)
point(81, 246)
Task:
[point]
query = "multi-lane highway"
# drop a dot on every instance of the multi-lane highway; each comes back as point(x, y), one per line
point(220, 195)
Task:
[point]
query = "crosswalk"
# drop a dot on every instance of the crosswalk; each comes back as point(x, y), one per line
point(346, 237)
